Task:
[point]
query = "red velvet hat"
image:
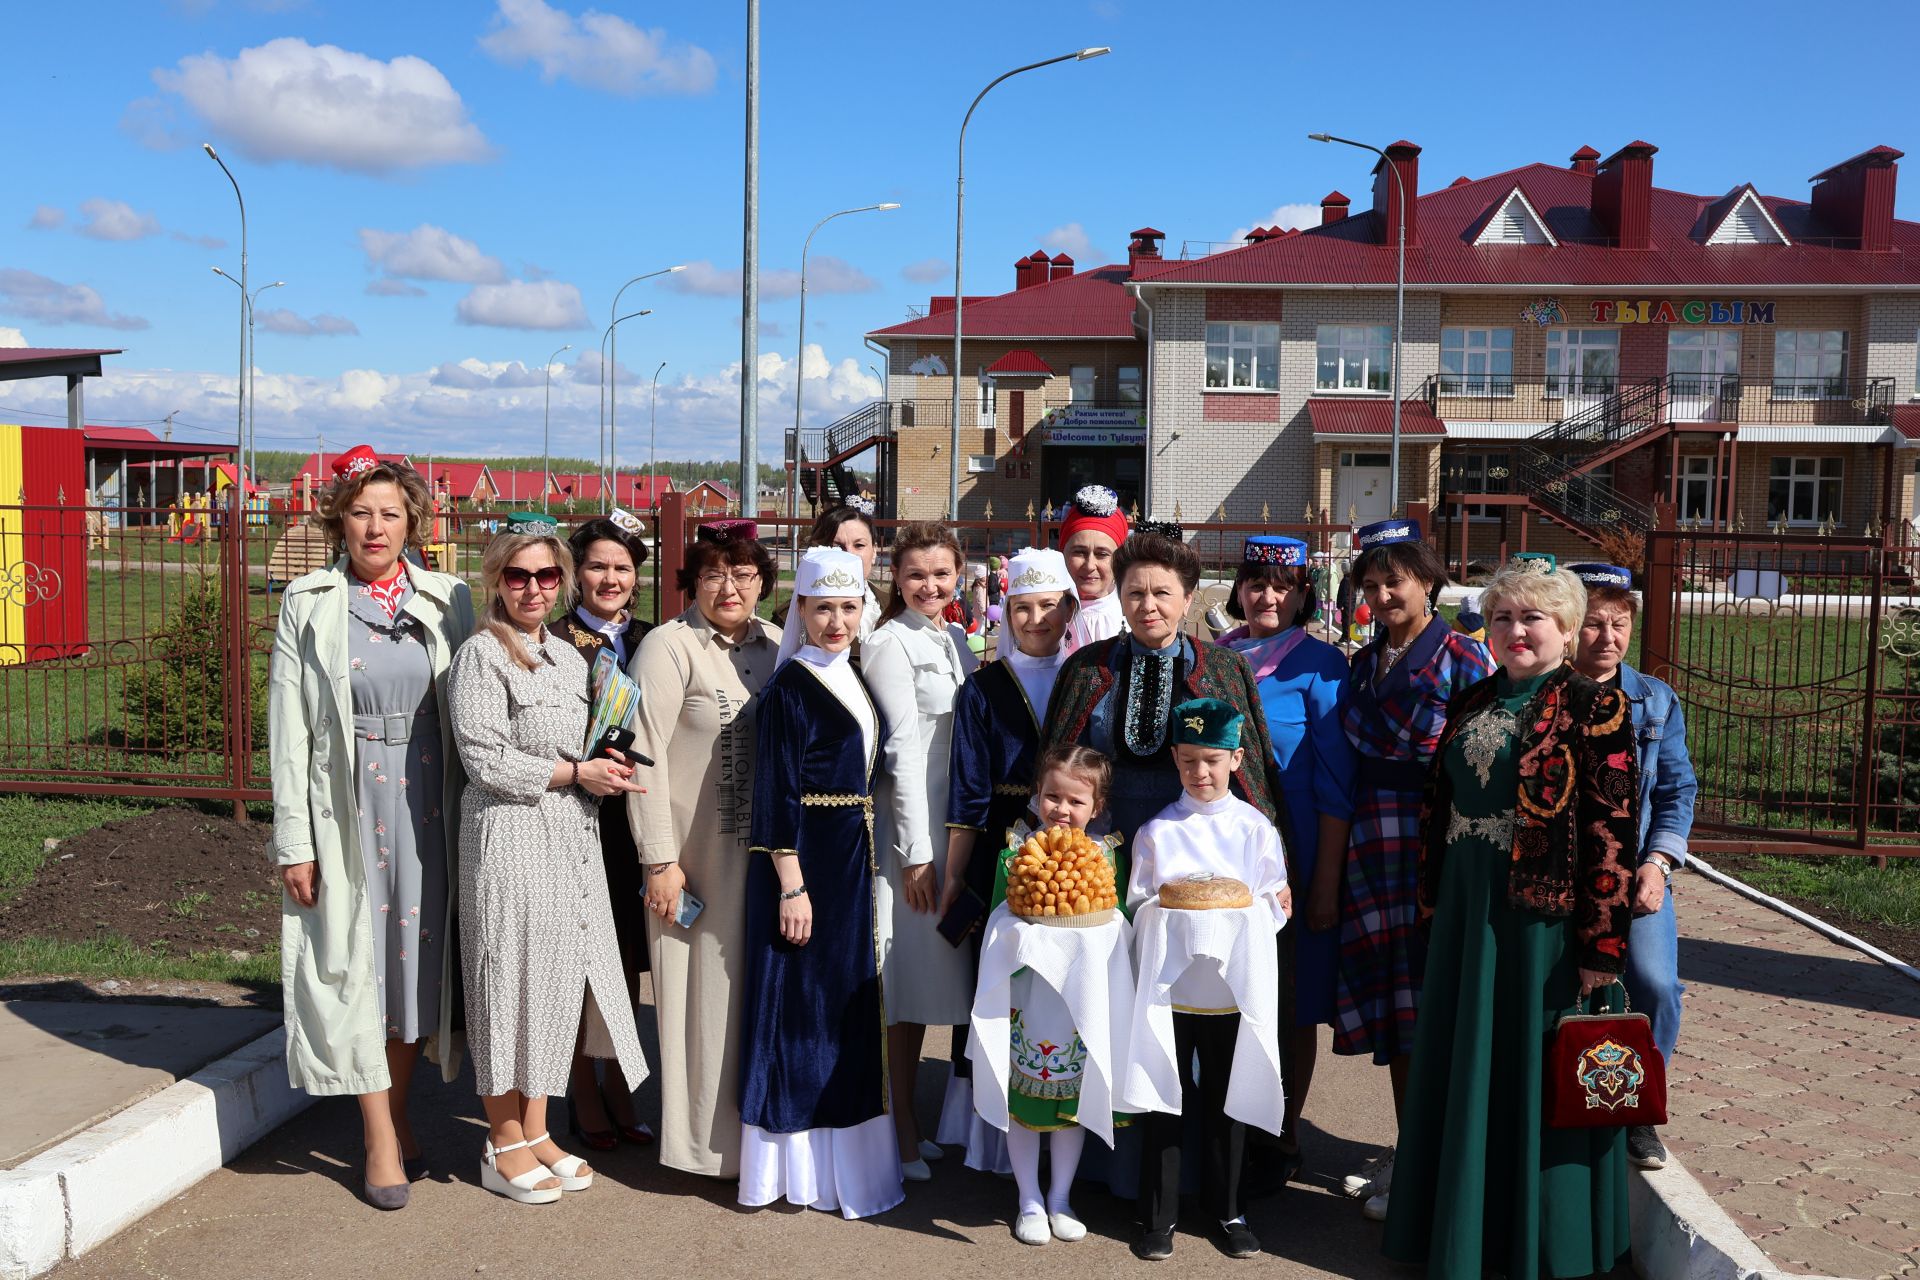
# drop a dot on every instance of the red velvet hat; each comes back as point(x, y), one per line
point(1095, 507)
point(354, 461)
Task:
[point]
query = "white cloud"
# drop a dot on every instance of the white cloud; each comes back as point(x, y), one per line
point(479, 375)
point(597, 50)
point(825, 274)
point(1073, 240)
point(430, 253)
point(928, 270)
point(1285, 217)
point(25, 293)
point(46, 218)
point(323, 105)
point(10, 337)
point(384, 288)
point(524, 304)
point(102, 219)
point(280, 320)
point(205, 242)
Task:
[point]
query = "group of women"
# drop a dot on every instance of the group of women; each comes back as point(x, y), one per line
point(802, 806)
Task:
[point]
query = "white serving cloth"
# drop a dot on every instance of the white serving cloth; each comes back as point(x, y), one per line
point(1091, 972)
point(961, 1126)
point(856, 1170)
point(1238, 944)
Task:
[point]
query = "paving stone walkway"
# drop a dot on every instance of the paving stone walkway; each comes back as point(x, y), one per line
point(1795, 1090)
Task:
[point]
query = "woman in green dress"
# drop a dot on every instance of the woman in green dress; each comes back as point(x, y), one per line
point(1529, 840)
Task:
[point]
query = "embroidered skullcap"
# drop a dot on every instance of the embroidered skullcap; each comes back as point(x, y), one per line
point(1161, 529)
point(863, 504)
point(724, 531)
point(1602, 575)
point(1542, 562)
point(1207, 722)
point(1095, 507)
point(1038, 571)
point(355, 461)
point(532, 524)
point(1385, 532)
point(627, 522)
point(1264, 548)
point(829, 571)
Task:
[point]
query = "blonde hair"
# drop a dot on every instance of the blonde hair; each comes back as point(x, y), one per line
point(501, 552)
point(338, 496)
point(1559, 594)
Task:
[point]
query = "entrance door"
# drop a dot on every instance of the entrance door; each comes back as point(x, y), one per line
point(1705, 369)
point(1360, 488)
point(1583, 367)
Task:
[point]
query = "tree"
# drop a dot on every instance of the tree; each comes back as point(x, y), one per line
point(176, 701)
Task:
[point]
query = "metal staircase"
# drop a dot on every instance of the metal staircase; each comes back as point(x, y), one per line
point(1554, 467)
point(820, 456)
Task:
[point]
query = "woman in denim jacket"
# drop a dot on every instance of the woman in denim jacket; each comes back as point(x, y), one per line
point(1667, 789)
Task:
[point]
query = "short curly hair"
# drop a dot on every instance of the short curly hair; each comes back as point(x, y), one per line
point(338, 496)
point(703, 555)
point(1560, 594)
point(1152, 549)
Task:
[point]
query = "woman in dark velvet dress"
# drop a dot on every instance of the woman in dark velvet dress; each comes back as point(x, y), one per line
point(815, 1129)
point(607, 555)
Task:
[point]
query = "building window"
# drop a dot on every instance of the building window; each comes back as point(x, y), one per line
point(1699, 487)
point(1480, 473)
point(1244, 356)
point(1081, 379)
point(1582, 362)
point(980, 464)
point(1804, 490)
point(1127, 383)
point(1354, 357)
point(1476, 362)
point(1810, 364)
point(986, 399)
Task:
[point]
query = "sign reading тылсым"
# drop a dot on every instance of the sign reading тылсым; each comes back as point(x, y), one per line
point(1695, 312)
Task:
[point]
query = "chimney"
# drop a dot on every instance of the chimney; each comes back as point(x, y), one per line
point(1855, 197)
point(1623, 195)
point(1144, 245)
point(1062, 267)
point(1404, 156)
point(1333, 207)
point(1031, 270)
point(1586, 160)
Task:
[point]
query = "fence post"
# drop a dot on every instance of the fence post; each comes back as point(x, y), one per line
point(239, 662)
point(1661, 594)
point(1865, 783)
point(670, 539)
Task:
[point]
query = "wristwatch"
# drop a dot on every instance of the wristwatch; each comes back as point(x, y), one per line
point(1661, 861)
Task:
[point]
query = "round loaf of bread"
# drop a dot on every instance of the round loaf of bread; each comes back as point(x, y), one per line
point(1205, 893)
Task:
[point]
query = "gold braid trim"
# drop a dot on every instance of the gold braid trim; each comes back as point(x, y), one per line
point(843, 799)
point(760, 848)
point(1011, 789)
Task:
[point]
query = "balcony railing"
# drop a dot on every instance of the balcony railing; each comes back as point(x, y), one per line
point(1490, 398)
point(1678, 397)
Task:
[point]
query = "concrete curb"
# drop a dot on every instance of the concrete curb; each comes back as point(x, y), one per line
point(76, 1195)
point(1679, 1233)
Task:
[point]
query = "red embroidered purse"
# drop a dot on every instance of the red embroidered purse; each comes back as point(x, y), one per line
point(1603, 1070)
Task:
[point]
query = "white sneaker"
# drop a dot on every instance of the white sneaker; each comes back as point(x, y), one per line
point(1375, 1177)
point(1031, 1228)
point(1067, 1227)
point(915, 1171)
point(1375, 1209)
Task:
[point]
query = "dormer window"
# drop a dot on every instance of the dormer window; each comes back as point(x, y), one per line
point(1747, 221)
point(1516, 221)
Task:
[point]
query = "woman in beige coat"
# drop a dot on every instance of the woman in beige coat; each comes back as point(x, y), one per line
point(699, 676)
point(365, 787)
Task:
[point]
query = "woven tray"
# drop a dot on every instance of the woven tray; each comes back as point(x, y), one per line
point(1091, 920)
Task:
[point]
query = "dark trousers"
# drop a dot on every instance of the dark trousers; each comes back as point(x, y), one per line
point(1211, 1037)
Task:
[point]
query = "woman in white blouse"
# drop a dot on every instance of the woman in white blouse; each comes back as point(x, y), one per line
point(915, 664)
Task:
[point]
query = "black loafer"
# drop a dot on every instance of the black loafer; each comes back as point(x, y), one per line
point(1644, 1149)
point(1153, 1246)
point(1238, 1241)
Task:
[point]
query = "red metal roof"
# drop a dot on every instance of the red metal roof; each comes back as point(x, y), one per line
point(1906, 420)
point(1021, 362)
point(1089, 304)
point(1879, 155)
point(1344, 252)
point(1364, 416)
point(141, 440)
point(26, 355)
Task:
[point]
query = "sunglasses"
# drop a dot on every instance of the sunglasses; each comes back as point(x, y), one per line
point(516, 579)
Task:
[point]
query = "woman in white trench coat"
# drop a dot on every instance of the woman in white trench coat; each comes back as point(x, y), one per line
point(359, 675)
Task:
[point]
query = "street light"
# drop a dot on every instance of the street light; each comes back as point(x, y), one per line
point(613, 311)
point(609, 332)
point(800, 369)
point(1399, 303)
point(240, 390)
point(252, 363)
point(546, 429)
point(959, 228)
point(653, 454)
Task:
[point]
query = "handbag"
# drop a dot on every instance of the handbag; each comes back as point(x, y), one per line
point(1603, 1070)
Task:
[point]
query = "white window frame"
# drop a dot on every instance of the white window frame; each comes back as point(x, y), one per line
point(1819, 384)
point(1250, 353)
point(1354, 348)
point(1471, 343)
point(979, 464)
point(1565, 381)
point(986, 407)
point(1691, 478)
point(1128, 385)
point(1808, 470)
point(1079, 375)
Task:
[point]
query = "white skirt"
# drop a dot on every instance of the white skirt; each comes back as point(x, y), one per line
point(856, 1170)
point(961, 1126)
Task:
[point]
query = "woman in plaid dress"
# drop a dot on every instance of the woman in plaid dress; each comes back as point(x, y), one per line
point(1393, 711)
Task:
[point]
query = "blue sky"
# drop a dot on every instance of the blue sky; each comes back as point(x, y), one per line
point(453, 190)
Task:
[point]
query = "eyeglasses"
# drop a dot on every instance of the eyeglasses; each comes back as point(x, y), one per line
point(516, 579)
point(742, 580)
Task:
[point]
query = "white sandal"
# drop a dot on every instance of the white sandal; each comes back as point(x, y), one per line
point(567, 1169)
point(523, 1188)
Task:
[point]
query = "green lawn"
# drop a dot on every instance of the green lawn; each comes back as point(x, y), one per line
point(1852, 887)
point(115, 957)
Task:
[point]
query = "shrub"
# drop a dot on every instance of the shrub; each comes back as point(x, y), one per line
point(175, 701)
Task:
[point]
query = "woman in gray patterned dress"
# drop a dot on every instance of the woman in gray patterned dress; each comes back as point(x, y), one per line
point(537, 935)
point(364, 794)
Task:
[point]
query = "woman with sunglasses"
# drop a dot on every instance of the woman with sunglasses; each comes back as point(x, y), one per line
point(537, 938)
point(700, 676)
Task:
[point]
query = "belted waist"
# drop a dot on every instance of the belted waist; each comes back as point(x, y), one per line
point(1393, 775)
point(395, 729)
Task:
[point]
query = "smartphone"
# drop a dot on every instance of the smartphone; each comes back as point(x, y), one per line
point(687, 910)
point(618, 739)
point(963, 917)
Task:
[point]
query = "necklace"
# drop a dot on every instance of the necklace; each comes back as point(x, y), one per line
point(1390, 654)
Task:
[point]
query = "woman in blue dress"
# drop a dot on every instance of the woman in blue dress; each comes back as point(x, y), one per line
point(1300, 679)
point(815, 1129)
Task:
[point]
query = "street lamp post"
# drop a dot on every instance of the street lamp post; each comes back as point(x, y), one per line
point(240, 390)
point(546, 429)
point(249, 301)
point(609, 375)
point(609, 333)
point(959, 236)
point(653, 453)
point(1399, 302)
point(800, 369)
